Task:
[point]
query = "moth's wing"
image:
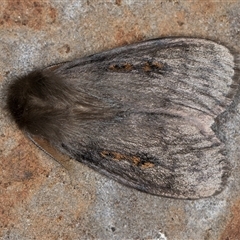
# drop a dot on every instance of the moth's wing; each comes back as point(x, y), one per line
point(46, 146)
point(167, 93)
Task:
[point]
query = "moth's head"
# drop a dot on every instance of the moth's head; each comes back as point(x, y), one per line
point(26, 95)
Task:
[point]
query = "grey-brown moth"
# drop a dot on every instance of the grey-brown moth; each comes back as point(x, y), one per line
point(140, 114)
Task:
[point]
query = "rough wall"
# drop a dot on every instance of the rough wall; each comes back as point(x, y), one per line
point(37, 197)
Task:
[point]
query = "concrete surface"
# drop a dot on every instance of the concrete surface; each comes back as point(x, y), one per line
point(37, 197)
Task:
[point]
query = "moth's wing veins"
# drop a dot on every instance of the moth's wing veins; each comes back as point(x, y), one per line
point(166, 93)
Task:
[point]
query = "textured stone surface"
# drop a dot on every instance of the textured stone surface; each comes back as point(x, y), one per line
point(38, 199)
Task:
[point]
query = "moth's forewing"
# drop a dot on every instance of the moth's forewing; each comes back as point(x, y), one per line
point(45, 145)
point(151, 108)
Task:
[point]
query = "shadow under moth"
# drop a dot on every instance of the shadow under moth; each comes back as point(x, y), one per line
point(140, 114)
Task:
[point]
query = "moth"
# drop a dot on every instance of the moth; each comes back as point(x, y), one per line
point(140, 114)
